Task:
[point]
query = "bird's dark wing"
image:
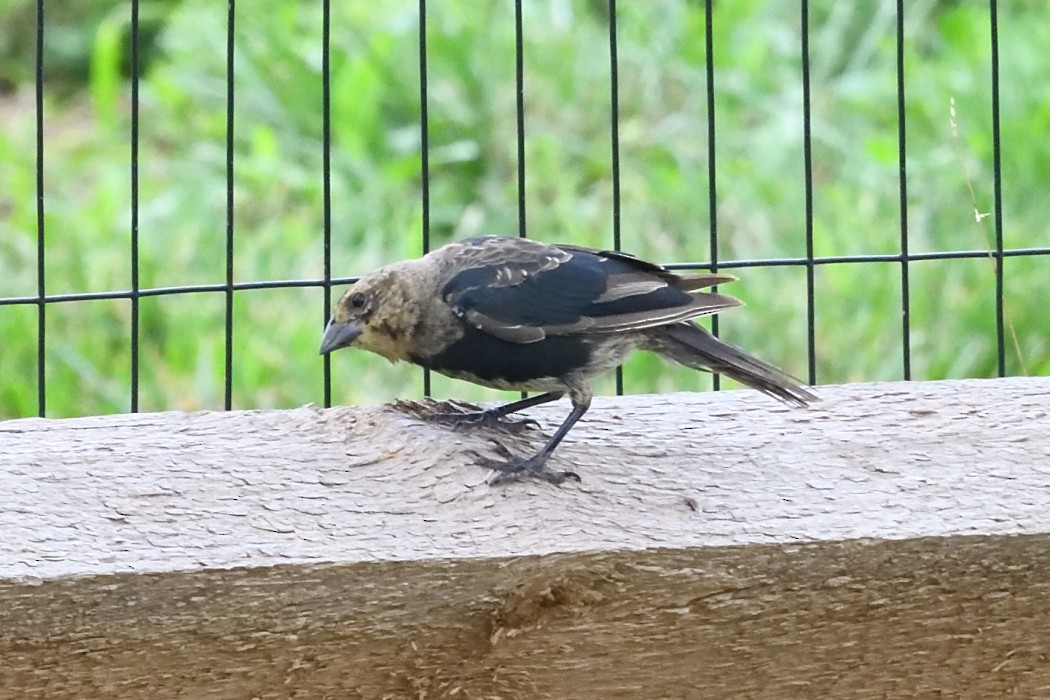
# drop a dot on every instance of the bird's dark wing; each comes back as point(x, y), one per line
point(524, 291)
point(683, 282)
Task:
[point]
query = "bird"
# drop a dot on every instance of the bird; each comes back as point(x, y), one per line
point(518, 314)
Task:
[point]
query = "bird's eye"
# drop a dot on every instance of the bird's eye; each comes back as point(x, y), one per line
point(357, 300)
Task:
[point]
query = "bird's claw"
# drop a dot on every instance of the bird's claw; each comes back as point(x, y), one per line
point(483, 419)
point(513, 468)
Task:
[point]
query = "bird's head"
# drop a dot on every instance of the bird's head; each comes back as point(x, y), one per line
point(373, 314)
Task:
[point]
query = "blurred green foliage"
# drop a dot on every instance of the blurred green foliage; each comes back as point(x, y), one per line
point(376, 214)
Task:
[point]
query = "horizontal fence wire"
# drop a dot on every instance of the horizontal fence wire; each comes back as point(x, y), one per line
point(670, 265)
point(230, 288)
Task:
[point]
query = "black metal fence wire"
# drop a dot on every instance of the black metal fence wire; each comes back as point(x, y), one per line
point(231, 287)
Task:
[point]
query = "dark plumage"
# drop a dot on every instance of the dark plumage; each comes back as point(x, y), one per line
point(517, 314)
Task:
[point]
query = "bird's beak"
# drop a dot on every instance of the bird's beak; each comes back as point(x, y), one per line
point(339, 335)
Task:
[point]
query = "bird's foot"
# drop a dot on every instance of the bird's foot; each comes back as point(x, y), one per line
point(513, 468)
point(464, 415)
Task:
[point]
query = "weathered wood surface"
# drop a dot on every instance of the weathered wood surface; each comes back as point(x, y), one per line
point(890, 541)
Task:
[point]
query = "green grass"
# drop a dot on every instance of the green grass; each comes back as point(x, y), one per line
point(376, 181)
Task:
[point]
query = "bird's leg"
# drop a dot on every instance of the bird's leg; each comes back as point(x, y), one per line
point(513, 468)
point(493, 417)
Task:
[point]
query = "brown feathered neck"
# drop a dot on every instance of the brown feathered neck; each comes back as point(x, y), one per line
point(400, 306)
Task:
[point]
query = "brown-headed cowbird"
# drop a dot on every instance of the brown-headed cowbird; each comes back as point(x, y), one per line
point(517, 314)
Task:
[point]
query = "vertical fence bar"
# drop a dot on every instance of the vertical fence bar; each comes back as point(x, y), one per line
point(230, 18)
point(424, 126)
point(519, 81)
point(326, 179)
point(712, 182)
point(41, 286)
point(1000, 337)
point(903, 190)
point(614, 123)
point(134, 206)
point(807, 155)
point(424, 144)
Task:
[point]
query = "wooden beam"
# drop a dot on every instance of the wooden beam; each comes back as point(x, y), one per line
point(892, 540)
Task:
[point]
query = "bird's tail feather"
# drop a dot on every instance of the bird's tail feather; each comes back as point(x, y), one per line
point(692, 346)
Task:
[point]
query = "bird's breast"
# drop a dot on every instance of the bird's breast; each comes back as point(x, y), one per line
point(484, 359)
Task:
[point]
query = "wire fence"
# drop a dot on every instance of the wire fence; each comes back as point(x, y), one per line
point(230, 288)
